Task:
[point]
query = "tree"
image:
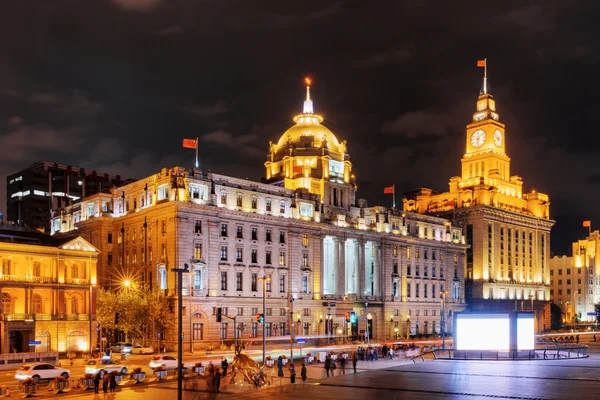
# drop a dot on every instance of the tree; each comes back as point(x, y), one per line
point(142, 311)
point(555, 317)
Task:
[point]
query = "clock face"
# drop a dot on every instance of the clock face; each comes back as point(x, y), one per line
point(478, 138)
point(498, 138)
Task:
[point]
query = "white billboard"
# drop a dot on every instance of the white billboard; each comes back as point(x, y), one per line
point(482, 331)
point(525, 332)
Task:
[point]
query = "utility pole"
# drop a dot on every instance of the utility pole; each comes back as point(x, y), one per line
point(180, 272)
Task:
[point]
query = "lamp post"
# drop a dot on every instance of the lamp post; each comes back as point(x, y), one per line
point(264, 280)
point(191, 277)
point(90, 318)
point(407, 328)
point(443, 319)
point(291, 328)
point(367, 323)
point(180, 272)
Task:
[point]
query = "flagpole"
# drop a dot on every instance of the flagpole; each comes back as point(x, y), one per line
point(394, 196)
point(485, 89)
point(196, 152)
point(590, 229)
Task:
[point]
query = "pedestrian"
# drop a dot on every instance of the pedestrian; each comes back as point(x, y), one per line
point(327, 364)
point(224, 365)
point(292, 373)
point(577, 339)
point(343, 366)
point(594, 338)
point(303, 372)
point(354, 361)
point(280, 366)
point(217, 380)
point(105, 383)
point(96, 382)
point(113, 382)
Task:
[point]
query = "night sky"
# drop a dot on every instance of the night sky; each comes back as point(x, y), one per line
point(115, 86)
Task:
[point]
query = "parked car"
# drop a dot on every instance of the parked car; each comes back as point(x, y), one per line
point(169, 362)
point(94, 366)
point(40, 371)
point(139, 349)
point(122, 347)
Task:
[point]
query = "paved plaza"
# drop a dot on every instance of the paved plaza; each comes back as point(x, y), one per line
point(385, 379)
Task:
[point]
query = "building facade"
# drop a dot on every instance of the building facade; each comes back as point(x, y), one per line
point(508, 230)
point(325, 253)
point(34, 192)
point(575, 282)
point(47, 290)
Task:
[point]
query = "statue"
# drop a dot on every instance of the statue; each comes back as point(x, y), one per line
point(253, 373)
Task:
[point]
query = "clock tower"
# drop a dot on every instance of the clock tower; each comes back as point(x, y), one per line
point(485, 154)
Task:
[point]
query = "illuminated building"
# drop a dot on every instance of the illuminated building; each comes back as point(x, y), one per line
point(303, 228)
point(32, 193)
point(508, 230)
point(45, 286)
point(575, 286)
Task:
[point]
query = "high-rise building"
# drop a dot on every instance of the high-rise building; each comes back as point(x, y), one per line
point(303, 229)
point(508, 230)
point(32, 193)
point(575, 280)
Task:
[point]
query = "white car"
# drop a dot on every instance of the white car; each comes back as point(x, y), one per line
point(122, 347)
point(99, 365)
point(169, 362)
point(40, 371)
point(139, 349)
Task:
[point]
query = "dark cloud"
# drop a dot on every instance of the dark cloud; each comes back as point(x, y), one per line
point(114, 86)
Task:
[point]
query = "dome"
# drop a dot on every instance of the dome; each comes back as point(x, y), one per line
point(309, 125)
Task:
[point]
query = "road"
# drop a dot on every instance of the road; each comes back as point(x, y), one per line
point(7, 377)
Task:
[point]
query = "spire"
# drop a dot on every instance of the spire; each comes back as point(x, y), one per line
point(484, 88)
point(308, 104)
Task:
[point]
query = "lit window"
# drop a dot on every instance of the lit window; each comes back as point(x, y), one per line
point(163, 192)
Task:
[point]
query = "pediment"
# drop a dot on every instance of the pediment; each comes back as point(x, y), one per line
point(79, 244)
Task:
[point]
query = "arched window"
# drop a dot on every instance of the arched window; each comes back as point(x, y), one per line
point(74, 305)
point(7, 304)
point(74, 272)
point(36, 304)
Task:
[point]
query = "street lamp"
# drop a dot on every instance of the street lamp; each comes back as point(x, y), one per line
point(443, 319)
point(396, 332)
point(180, 272)
point(90, 318)
point(407, 328)
point(264, 280)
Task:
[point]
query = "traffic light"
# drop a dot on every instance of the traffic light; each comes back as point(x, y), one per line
point(219, 311)
point(260, 318)
point(117, 318)
point(348, 316)
point(257, 317)
point(353, 317)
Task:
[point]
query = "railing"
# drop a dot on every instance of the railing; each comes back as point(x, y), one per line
point(77, 281)
point(549, 351)
point(28, 279)
point(44, 317)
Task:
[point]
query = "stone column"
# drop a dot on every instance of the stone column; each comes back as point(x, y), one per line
point(361, 268)
point(341, 251)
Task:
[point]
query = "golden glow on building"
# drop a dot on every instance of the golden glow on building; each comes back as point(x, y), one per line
point(309, 156)
point(508, 229)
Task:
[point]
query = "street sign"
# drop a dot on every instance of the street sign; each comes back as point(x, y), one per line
point(300, 341)
point(35, 343)
point(593, 314)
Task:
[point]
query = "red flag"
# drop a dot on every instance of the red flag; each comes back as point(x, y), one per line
point(189, 143)
point(481, 63)
point(297, 169)
point(587, 224)
point(388, 190)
